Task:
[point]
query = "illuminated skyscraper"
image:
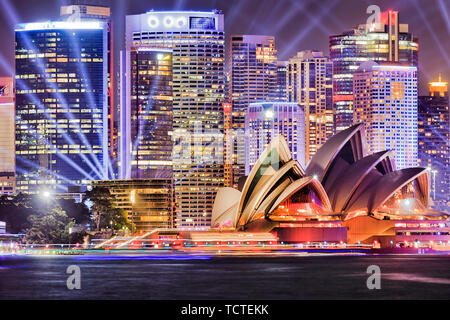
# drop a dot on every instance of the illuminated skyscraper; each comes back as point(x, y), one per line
point(79, 11)
point(197, 43)
point(385, 100)
point(309, 79)
point(253, 71)
point(434, 141)
point(266, 120)
point(387, 40)
point(146, 115)
point(280, 88)
point(61, 104)
point(7, 138)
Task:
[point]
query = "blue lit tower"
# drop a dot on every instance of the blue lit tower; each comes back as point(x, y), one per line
point(61, 104)
point(434, 141)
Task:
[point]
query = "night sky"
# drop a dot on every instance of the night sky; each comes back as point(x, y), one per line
point(296, 24)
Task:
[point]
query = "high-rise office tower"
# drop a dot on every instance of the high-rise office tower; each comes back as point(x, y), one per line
point(387, 40)
point(280, 88)
point(266, 120)
point(309, 83)
point(61, 104)
point(146, 115)
point(385, 100)
point(78, 10)
point(253, 72)
point(434, 145)
point(7, 138)
point(197, 43)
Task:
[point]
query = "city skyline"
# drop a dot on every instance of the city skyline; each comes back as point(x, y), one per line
point(224, 149)
point(296, 25)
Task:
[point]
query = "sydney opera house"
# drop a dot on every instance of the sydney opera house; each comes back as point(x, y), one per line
point(343, 195)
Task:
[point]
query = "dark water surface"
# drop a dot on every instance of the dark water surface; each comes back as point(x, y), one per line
point(215, 277)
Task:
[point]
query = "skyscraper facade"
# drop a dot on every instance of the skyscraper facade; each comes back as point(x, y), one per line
point(385, 100)
point(386, 40)
point(61, 105)
point(434, 145)
point(79, 11)
point(309, 83)
point(280, 88)
point(266, 120)
point(147, 114)
point(7, 138)
point(197, 43)
point(253, 78)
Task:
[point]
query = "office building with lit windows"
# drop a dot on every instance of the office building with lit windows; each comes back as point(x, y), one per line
point(79, 11)
point(61, 105)
point(146, 114)
point(147, 203)
point(309, 83)
point(253, 78)
point(266, 120)
point(388, 40)
point(434, 145)
point(280, 88)
point(385, 100)
point(196, 39)
point(7, 138)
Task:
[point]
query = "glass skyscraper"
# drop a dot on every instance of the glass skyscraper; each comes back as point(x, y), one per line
point(61, 105)
point(434, 141)
point(253, 72)
point(79, 11)
point(309, 79)
point(387, 40)
point(197, 43)
point(147, 115)
point(385, 100)
point(280, 89)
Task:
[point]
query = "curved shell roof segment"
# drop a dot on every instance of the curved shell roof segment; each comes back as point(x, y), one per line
point(275, 156)
point(288, 173)
point(225, 206)
point(348, 145)
point(378, 189)
point(350, 177)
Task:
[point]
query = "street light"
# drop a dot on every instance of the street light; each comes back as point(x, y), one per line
point(46, 196)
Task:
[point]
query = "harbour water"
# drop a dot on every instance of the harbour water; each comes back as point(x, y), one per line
point(172, 276)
